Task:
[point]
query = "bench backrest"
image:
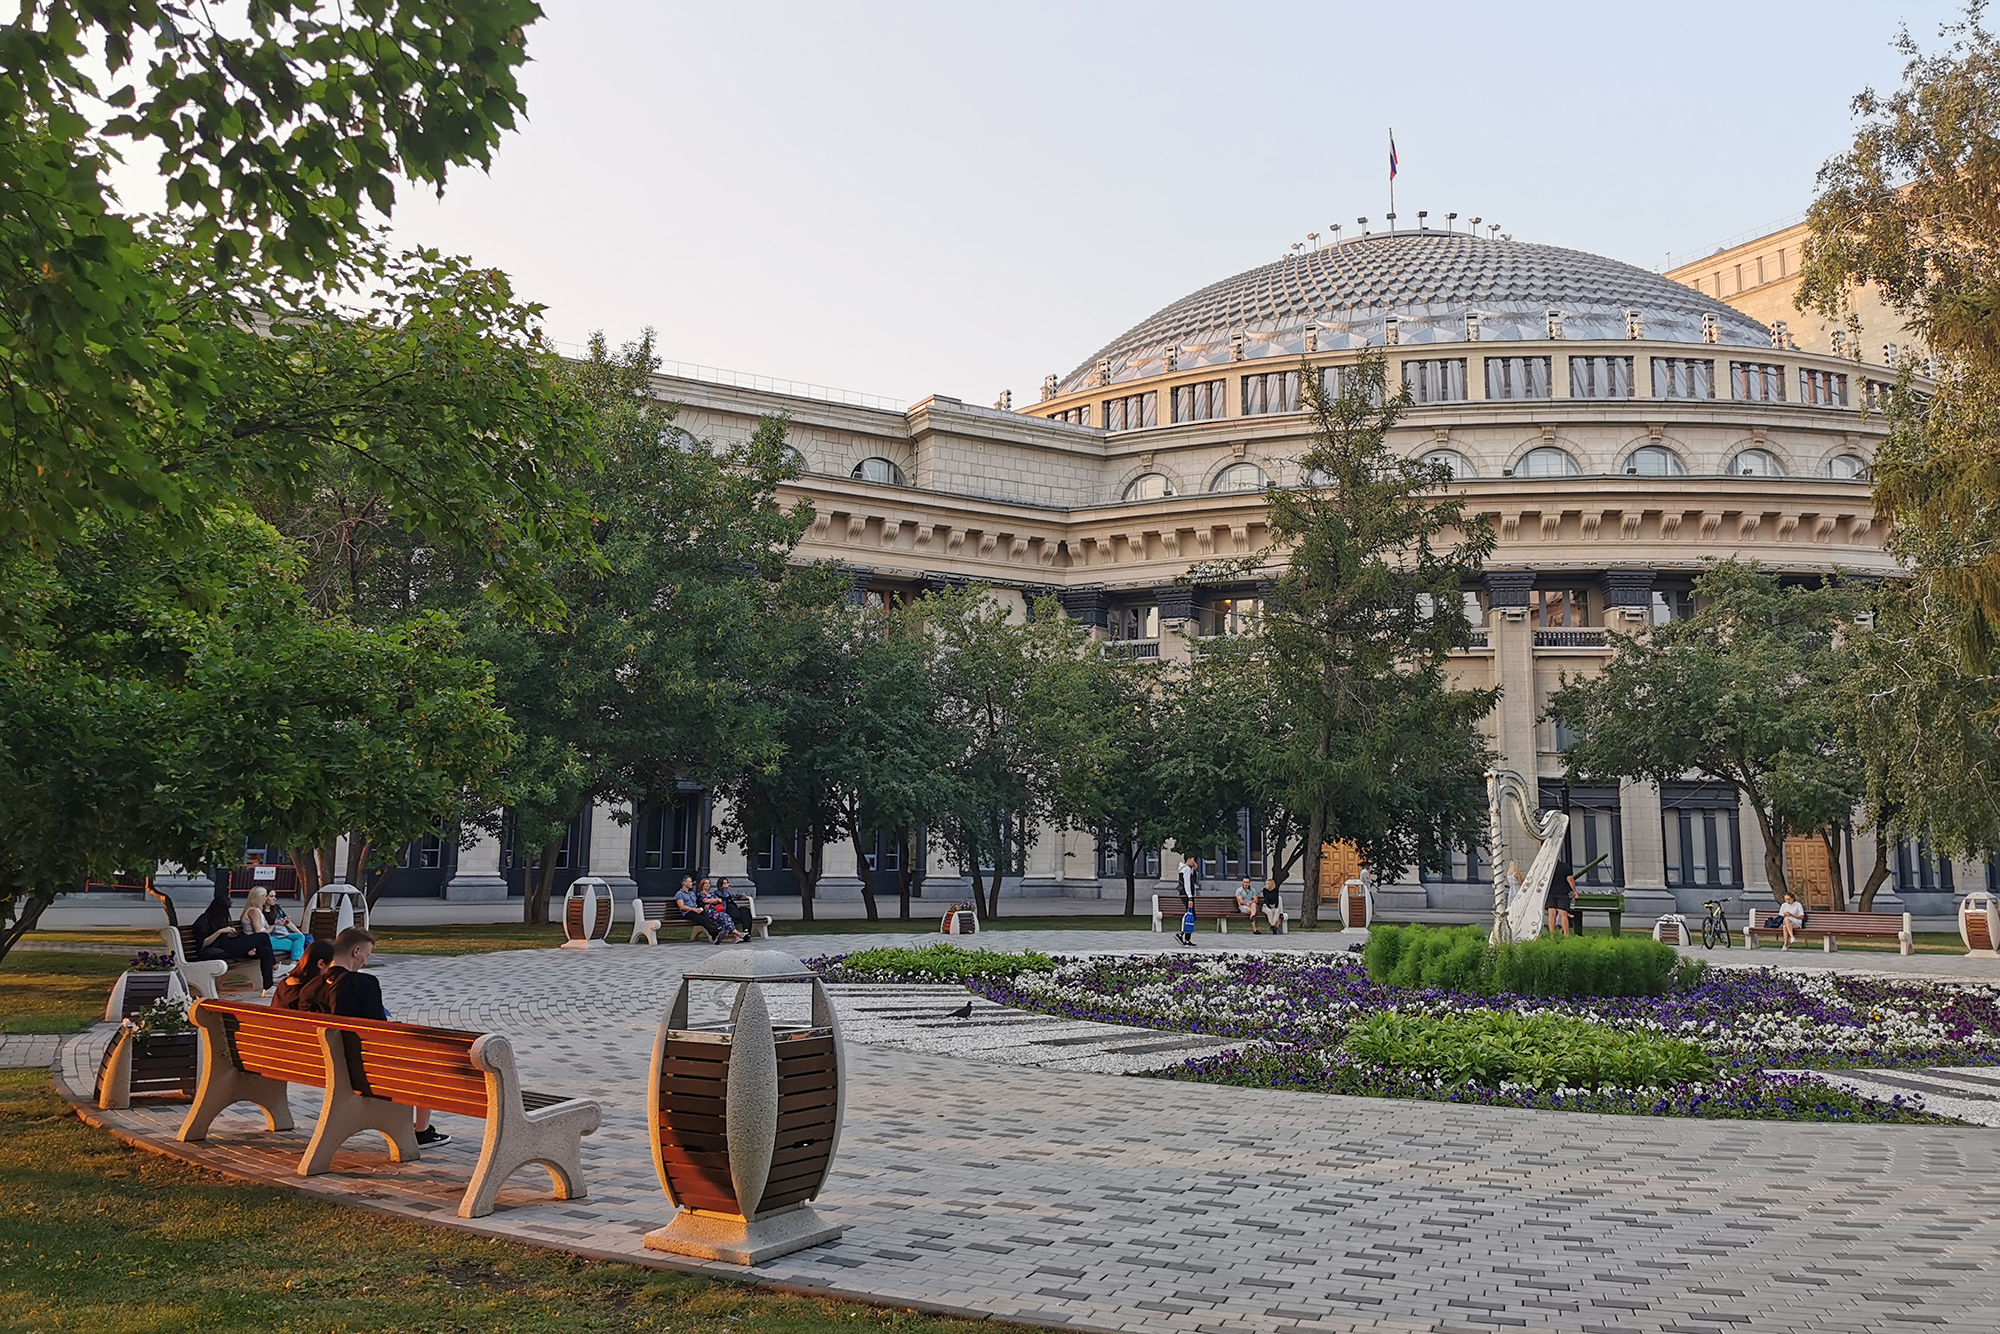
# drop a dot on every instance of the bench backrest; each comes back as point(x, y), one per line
point(1205, 905)
point(404, 1063)
point(1840, 921)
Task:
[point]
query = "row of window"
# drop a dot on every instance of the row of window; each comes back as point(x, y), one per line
point(1443, 380)
point(1541, 461)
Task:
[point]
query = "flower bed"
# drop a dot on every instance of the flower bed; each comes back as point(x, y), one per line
point(1295, 1011)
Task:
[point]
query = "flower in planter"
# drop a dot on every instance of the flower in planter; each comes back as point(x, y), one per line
point(163, 1017)
point(148, 961)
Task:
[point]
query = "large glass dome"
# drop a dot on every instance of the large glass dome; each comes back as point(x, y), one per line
point(1430, 281)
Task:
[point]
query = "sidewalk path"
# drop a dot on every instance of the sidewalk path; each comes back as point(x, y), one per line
point(1066, 1197)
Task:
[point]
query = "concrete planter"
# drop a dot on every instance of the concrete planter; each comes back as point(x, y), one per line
point(136, 988)
point(744, 1118)
point(148, 1065)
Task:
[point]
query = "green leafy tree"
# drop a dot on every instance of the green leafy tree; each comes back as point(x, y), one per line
point(170, 697)
point(278, 130)
point(1357, 629)
point(1912, 208)
point(675, 640)
point(1750, 692)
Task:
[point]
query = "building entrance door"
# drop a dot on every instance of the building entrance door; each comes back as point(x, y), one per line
point(1808, 871)
point(1338, 864)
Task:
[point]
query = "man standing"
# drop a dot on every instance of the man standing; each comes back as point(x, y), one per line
point(345, 990)
point(1190, 875)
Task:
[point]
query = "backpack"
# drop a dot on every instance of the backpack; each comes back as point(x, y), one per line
point(316, 996)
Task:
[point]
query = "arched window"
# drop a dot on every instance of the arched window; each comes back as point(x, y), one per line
point(1847, 468)
point(1546, 461)
point(1460, 465)
point(1240, 477)
point(879, 470)
point(1755, 463)
point(1654, 461)
point(1148, 486)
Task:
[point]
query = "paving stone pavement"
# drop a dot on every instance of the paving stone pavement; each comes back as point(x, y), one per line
point(29, 1051)
point(1062, 1196)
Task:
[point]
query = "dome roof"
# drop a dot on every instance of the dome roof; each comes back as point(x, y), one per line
point(1430, 281)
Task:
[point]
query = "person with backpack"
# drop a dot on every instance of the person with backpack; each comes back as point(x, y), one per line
point(1190, 877)
point(344, 989)
point(318, 955)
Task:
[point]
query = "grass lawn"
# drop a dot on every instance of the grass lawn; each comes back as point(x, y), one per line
point(48, 992)
point(96, 1238)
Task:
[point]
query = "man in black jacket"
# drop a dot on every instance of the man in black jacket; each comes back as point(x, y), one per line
point(346, 990)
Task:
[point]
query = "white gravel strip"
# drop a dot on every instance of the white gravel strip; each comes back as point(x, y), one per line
point(1968, 1093)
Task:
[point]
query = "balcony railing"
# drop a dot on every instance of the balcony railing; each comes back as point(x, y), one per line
point(1479, 640)
point(1569, 639)
point(1133, 648)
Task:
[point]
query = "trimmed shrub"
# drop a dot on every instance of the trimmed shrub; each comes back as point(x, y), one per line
point(1543, 1051)
point(1457, 958)
point(938, 963)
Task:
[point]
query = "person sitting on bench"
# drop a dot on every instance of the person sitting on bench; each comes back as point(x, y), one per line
point(318, 955)
point(345, 990)
point(736, 905)
point(262, 915)
point(217, 936)
point(704, 915)
point(1790, 917)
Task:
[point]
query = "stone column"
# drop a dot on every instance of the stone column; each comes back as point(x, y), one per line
point(1178, 627)
point(1513, 642)
point(478, 878)
point(1627, 592)
point(610, 857)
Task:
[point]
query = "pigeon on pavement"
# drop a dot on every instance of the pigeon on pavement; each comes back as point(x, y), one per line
point(962, 1012)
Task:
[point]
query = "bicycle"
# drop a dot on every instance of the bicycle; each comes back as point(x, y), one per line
point(1715, 927)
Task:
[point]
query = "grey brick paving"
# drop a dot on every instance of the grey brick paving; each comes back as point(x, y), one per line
point(1049, 1193)
point(28, 1051)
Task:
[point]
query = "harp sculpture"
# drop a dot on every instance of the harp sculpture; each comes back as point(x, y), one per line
point(1522, 918)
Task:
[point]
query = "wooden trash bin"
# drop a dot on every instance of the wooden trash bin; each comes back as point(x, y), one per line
point(333, 908)
point(1979, 924)
point(587, 911)
point(744, 1117)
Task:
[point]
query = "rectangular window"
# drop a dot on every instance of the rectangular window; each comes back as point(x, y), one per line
point(1199, 402)
point(1464, 864)
point(1600, 377)
point(1243, 855)
point(1672, 604)
point(1142, 622)
point(1703, 844)
point(1132, 413)
point(1230, 616)
point(1757, 382)
point(1074, 416)
point(1824, 389)
point(1111, 859)
point(1595, 833)
point(1918, 868)
point(1277, 391)
point(1334, 381)
point(673, 831)
point(1437, 381)
point(1561, 608)
point(1508, 377)
point(1683, 377)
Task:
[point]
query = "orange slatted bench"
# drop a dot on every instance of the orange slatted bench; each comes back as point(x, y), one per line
point(1830, 926)
point(374, 1074)
point(1218, 908)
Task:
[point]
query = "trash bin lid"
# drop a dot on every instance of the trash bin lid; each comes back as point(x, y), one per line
point(751, 966)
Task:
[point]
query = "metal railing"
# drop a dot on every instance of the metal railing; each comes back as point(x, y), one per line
point(770, 384)
point(1569, 639)
point(1132, 648)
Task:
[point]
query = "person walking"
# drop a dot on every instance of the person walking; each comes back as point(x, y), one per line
point(1190, 878)
point(344, 989)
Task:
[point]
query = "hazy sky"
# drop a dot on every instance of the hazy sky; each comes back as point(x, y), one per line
point(956, 198)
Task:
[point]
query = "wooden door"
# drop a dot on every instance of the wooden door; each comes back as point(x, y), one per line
point(1807, 870)
point(1338, 864)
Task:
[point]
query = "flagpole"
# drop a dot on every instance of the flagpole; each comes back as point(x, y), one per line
point(1392, 180)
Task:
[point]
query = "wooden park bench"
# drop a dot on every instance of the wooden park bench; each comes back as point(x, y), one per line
point(1218, 908)
point(1830, 926)
point(649, 916)
point(374, 1075)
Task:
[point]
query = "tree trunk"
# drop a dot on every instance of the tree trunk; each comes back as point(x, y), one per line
point(805, 871)
point(1774, 851)
point(31, 913)
point(535, 903)
point(1877, 875)
point(978, 888)
point(1832, 841)
point(1131, 879)
point(991, 908)
point(864, 870)
point(906, 871)
point(1309, 900)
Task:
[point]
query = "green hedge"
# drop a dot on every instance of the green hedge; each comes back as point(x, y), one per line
point(1544, 1051)
point(1457, 958)
point(940, 963)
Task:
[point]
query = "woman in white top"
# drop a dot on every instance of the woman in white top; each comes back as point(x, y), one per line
point(1791, 916)
point(262, 916)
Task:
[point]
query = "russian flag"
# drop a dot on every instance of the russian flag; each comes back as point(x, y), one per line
point(1392, 155)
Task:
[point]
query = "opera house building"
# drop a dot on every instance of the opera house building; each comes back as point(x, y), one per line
point(1617, 426)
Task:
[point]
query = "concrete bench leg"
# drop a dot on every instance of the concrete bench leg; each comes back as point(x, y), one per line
point(763, 927)
point(223, 1085)
point(551, 1137)
point(346, 1113)
point(1827, 943)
